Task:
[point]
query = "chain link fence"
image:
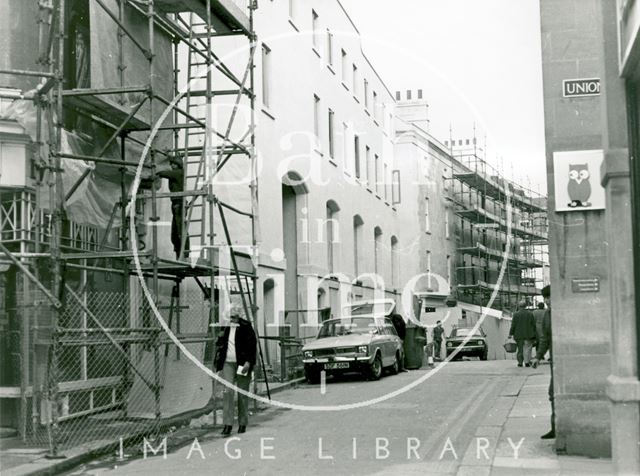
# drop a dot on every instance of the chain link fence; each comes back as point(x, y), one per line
point(110, 372)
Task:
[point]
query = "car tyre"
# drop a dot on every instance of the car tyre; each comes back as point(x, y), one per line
point(484, 355)
point(375, 370)
point(397, 365)
point(312, 376)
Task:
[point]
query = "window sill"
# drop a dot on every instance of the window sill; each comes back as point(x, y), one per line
point(427, 233)
point(313, 48)
point(367, 111)
point(330, 68)
point(344, 85)
point(356, 99)
point(319, 152)
point(294, 25)
point(369, 190)
point(375, 121)
point(333, 162)
point(267, 112)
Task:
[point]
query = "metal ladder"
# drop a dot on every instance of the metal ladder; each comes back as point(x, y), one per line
point(198, 212)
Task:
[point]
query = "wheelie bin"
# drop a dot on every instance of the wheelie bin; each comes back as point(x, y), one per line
point(414, 342)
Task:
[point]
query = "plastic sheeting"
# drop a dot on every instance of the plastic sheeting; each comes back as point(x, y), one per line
point(93, 201)
point(105, 59)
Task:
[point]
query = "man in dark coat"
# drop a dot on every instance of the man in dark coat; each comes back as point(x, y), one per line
point(538, 315)
point(175, 176)
point(543, 345)
point(398, 323)
point(437, 333)
point(523, 330)
point(235, 357)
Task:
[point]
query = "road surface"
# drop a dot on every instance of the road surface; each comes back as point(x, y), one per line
point(426, 430)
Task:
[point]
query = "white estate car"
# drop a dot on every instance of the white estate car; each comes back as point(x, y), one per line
point(363, 340)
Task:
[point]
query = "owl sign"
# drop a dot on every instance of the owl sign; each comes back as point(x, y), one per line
point(577, 180)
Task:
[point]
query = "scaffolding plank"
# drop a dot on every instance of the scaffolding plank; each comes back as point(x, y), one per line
point(226, 12)
point(105, 109)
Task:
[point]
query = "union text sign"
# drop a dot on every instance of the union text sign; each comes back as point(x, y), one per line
point(572, 88)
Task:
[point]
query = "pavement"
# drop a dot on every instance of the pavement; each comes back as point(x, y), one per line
point(513, 429)
point(468, 418)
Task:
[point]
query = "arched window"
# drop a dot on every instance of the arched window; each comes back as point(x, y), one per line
point(394, 261)
point(332, 235)
point(377, 250)
point(357, 243)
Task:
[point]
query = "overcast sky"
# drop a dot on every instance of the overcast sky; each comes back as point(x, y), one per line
point(476, 60)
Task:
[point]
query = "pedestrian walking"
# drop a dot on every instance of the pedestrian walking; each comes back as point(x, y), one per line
point(545, 343)
point(437, 334)
point(538, 315)
point(235, 357)
point(523, 330)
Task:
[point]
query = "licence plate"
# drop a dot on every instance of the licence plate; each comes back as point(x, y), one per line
point(337, 365)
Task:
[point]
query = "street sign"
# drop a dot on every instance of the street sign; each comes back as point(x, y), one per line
point(429, 309)
point(575, 88)
point(585, 285)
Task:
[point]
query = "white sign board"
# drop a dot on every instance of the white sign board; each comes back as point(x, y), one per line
point(577, 180)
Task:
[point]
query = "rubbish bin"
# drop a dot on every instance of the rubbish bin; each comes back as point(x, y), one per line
point(414, 342)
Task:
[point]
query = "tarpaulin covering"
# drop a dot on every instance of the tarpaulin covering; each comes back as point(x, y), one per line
point(94, 199)
point(105, 60)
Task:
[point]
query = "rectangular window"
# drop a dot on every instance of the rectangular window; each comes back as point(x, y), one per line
point(377, 173)
point(344, 66)
point(427, 223)
point(447, 232)
point(331, 135)
point(316, 119)
point(266, 73)
point(356, 156)
point(369, 171)
point(385, 183)
point(292, 9)
point(429, 269)
point(345, 145)
point(329, 48)
point(449, 270)
point(396, 188)
point(315, 23)
point(365, 93)
point(354, 84)
point(375, 106)
point(383, 113)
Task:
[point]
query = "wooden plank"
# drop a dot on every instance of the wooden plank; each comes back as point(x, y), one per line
point(228, 13)
point(105, 109)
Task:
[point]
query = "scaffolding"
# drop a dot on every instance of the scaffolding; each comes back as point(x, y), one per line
point(96, 364)
point(496, 220)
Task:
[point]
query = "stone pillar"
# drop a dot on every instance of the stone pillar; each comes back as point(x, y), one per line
point(623, 388)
